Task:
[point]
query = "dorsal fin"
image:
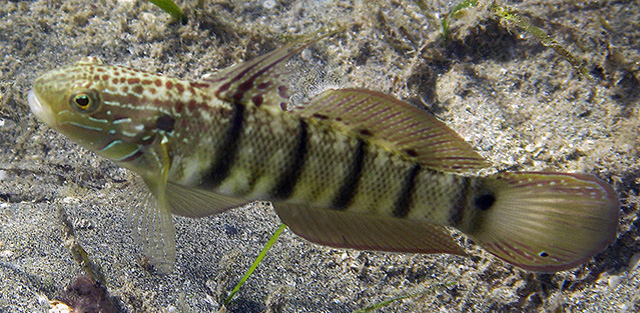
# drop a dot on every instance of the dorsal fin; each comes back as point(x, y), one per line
point(395, 125)
point(260, 81)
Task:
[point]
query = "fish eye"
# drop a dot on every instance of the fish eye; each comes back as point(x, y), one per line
point(85, 102)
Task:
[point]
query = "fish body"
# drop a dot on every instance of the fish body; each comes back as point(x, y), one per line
point(351, 168)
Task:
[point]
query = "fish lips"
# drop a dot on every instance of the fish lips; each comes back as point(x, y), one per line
point(42, 112)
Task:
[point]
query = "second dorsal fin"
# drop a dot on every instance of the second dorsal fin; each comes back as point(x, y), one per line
point(395, 125)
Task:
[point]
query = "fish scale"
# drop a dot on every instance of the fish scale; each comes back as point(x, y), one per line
point(350, 168)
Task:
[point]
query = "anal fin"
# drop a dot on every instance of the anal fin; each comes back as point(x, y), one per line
point(365, 232)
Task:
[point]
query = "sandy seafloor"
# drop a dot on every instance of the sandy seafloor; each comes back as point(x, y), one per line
point(519, 103)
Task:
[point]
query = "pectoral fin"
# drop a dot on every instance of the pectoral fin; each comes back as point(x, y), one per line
point(153, 230)
point(363, 232)
point(150, 217)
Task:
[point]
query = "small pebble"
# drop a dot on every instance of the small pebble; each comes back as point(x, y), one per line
point(614, 281)
point(634, 261)
point(69, 200)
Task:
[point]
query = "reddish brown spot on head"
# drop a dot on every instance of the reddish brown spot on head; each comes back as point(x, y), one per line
point(180, 88)
point(133, 80)
point(178, 106)
point(152, 91)
point(125, 89)
point(114, 81)
point(105, 77)
point(116, 73)
point(138, 89)
point(146, 82)
point(191, 105)
point(264, 85)
point(283, 91)
point(158, 82)
point(201, 85)
point(99, 69)
point(169, 84)
point(257, 100)
point(122, 79)
point(96, 77)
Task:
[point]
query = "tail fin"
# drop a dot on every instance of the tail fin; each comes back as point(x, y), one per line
point(546, 222)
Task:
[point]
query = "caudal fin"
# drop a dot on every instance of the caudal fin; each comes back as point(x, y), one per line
point(546, 222)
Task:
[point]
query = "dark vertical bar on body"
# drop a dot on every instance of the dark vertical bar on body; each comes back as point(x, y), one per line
point(349, 186)
point(403, 204)
point(228, 149)
point(287, 181)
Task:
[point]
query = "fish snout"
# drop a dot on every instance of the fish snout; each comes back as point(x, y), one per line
point(41, 111)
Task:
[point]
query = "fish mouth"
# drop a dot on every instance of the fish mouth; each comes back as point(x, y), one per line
point(42, 112)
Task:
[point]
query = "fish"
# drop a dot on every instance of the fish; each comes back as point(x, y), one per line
point(348, 168)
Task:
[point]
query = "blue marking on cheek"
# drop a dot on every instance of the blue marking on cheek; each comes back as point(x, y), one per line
point(98, 120)
point(122, 120)
point(85, 126)
point(131, 156)
point(111, 145)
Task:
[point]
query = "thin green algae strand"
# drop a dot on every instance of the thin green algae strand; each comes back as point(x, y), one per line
point(460, 6)
point(257, 261)
point(171, 8)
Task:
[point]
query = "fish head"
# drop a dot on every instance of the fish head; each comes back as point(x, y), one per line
point(101, 107)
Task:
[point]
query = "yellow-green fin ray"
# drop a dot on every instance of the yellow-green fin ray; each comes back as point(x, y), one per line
point(152, 227)
point(151, 219)
point(547, 222)
point(366, 232)
point(396, 125)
